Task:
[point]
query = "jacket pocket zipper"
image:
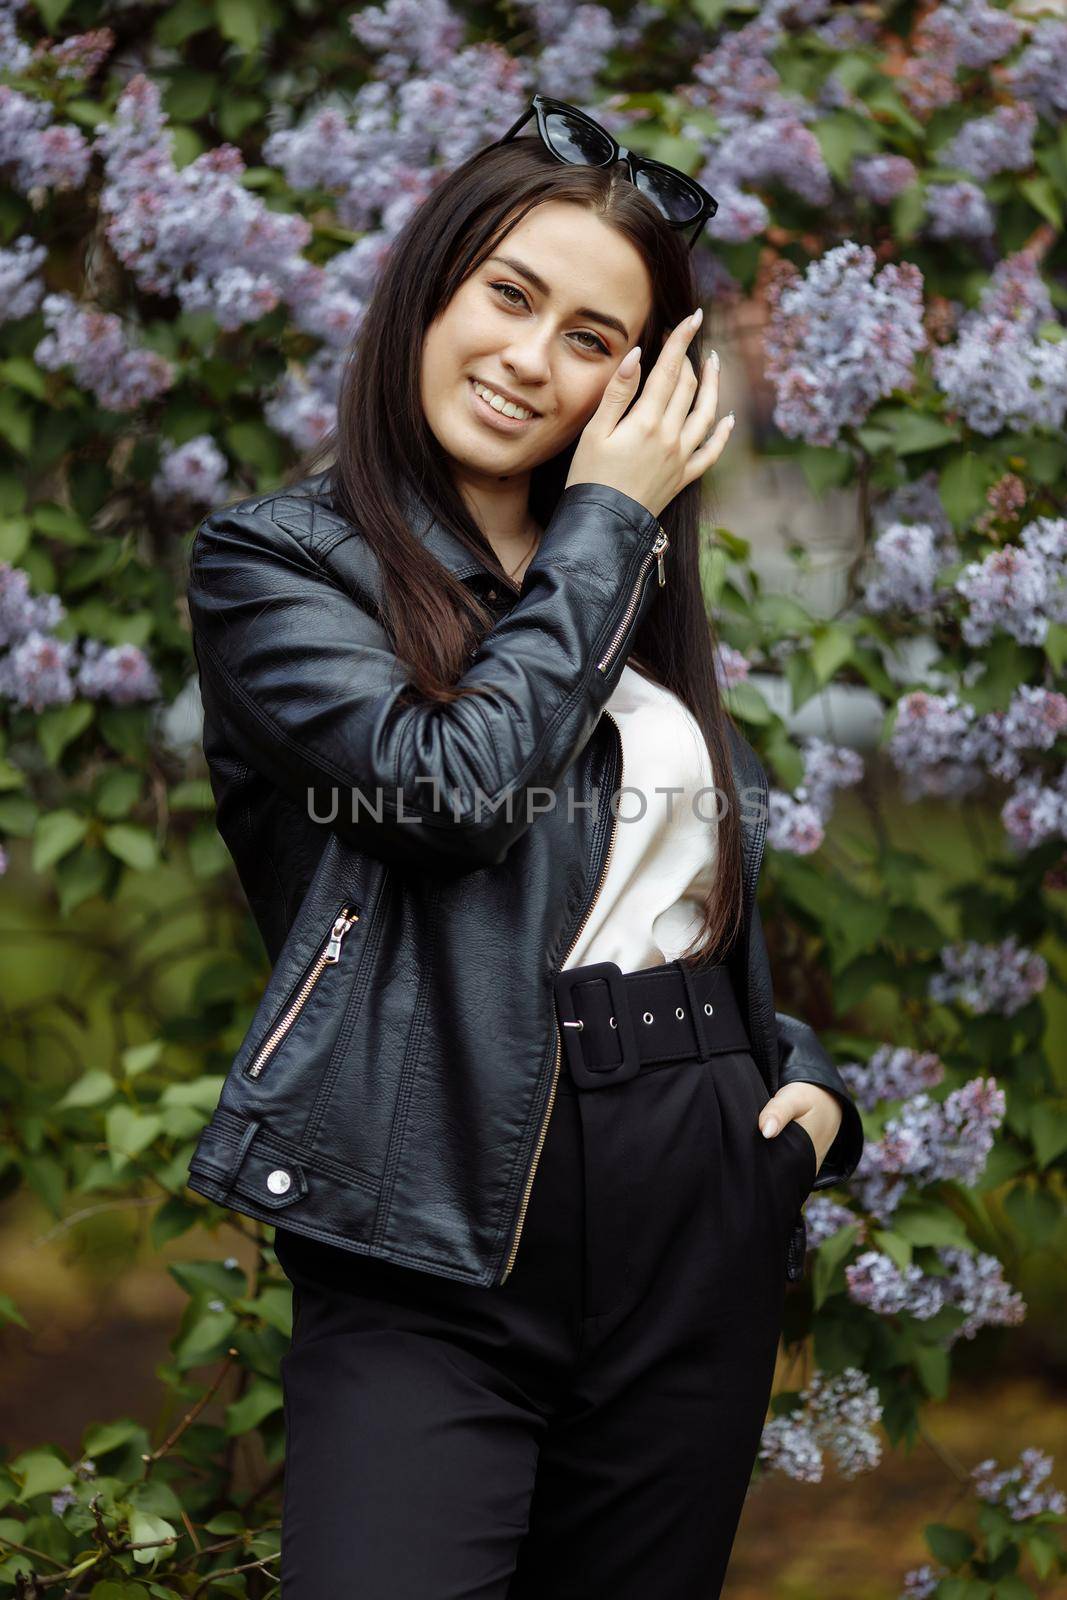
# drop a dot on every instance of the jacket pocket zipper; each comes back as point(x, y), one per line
point(655, 554)
point(328, 956)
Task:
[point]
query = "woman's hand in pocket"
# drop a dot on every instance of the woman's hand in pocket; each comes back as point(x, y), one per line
point(815, 1108)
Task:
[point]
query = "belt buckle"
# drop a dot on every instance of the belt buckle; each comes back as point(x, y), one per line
point(587, 1077)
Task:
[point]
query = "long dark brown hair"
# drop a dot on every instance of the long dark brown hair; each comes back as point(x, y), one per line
point(382, 437)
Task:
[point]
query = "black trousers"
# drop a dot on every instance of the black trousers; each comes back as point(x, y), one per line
point(587, 1430)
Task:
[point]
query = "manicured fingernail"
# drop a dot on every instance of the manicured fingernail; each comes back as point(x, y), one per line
point(713, 360)
point(731, 419)
point(770, 1128)
point(697, 317)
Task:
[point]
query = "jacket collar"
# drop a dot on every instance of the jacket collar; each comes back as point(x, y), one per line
point(441, 542)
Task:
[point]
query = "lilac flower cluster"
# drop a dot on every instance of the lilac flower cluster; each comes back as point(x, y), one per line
point(20, 287)
point(957, 210)
point(998, 978)
point(731, 666)
point(797, 821)
point(893, 1073)
point(199, 233)
point(942, 746)
point(194, 472)
point(835, 1414)
point(823, 1217)
point(1036, 812)
point(973, 1283)
point(917, 500)
point(94, 344)
point(15, 54)
point(903, 568)
point(1000, 373)
point(1019, 591)
point(764, 136)
point(929, 1141)
point(66, 1496)
point(576, 42)
point(1003, 141)
point(963, 33)
point(38, 154)
point(1040, 73)
point(840, 338)
point(38, 670)
point(880, 178)
point(921, 1583)
point(83, 54)
point(1018, 1489)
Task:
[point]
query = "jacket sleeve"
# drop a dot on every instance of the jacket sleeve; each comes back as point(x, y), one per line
point(802, 1059)
point(296, 668)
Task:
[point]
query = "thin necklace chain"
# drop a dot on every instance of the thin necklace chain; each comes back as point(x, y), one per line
point(537, 535)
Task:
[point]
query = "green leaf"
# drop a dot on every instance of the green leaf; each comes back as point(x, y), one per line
point(91, 1089)
point(1012, 1587)
point(962, 486)
point(174, 1217)
point(137, 1058)
point(14, 537)
point(51, 11)
point(1034, 1212)
point(259, 1400)
point(145, 1527)
point(240, 21)
point(745, 701)
point(828, 1273)
point(16, 422)
point(253, 443)
point(898, 1249)
point(80, 875)
point(951, 1546)
point(1044, 199)
point(825, 468)
point(1048, 1131)
point(59, 523)
point(10, 1312)
point(134, 845)
point(1056, 644)
point(56, 833)
point(100, 1438)
point(117, 792)
point(58, 726)
point(830, 649)
point(129, 1132)
point(930, 1224)
point(39, 1472)
point(934, 1366)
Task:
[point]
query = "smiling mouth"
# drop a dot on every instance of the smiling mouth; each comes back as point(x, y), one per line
point(505, 415)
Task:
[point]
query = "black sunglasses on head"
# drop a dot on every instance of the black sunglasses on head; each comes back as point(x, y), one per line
point(575, 138)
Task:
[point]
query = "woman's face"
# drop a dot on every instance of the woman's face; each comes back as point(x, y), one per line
point(548, 326)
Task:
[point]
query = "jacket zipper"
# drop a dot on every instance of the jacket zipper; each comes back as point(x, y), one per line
point(559, 1039)
point(327, 956)
point(655, 554)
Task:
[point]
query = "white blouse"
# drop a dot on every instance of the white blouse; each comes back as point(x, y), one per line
point(665, 850)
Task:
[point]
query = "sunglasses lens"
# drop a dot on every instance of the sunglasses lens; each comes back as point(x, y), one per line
point(575, 140)
point(675, 198)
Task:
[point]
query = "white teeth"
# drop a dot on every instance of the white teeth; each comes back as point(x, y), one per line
point(498, 402)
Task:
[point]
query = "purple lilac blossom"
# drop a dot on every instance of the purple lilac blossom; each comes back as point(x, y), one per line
point(823, 1217)
point(40, 156)
point(840, 338)
point(973, 1283)
point(83, 54)
point(194, 471)
point(15, 54)
point(1018, 1489)
point(989, 978)
point(21, 290)
point(880, 178)
point(918, 500)
point(999, 372)
point(903, 568)
point(921, 1583)
point(1039, 75)
point(731, 666)
point(94, 345)
point(893, 1073)
point(980, 33)
point(21, 612)
point(1003, 141)
point(957, 211)
point(36, 671)
point(120, 673)
point(934, 745)
point(1036, 812)
point(835, 1414)
point(797, 821)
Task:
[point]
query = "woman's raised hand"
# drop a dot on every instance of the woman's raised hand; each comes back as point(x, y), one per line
point(653, 448)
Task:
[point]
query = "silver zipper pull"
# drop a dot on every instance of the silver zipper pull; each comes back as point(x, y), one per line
point(658, 549)
point(337, 933)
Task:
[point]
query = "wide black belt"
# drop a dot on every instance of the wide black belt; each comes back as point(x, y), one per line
point(615, 1025)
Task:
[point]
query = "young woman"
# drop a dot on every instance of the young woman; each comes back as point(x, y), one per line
point(516, 1098)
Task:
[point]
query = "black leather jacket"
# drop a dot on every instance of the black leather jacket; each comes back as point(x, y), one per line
point(392, 1093)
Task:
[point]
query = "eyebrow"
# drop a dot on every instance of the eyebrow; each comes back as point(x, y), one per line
point(542, 288)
